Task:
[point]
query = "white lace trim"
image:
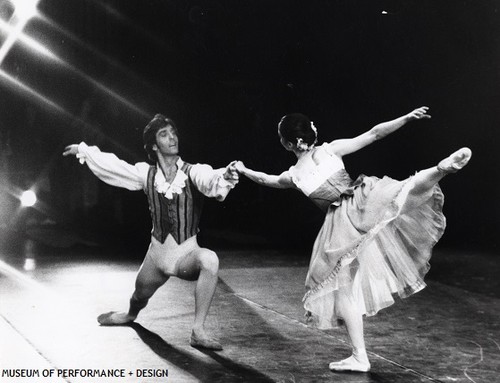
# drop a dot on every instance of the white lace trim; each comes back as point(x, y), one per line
point(169, 189)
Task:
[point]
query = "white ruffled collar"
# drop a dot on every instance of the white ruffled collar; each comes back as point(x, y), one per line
point(169, 189)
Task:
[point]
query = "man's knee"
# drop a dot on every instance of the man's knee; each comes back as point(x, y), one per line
point(209, 261)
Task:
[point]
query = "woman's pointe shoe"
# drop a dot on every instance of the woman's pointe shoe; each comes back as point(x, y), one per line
point(350, 364)
point(456, 161)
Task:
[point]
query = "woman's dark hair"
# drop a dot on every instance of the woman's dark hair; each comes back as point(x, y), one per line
point(296, 125)
point(158, 122)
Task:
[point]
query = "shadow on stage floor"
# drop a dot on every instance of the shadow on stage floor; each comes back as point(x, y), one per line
point(202, 371)
point(51, 295)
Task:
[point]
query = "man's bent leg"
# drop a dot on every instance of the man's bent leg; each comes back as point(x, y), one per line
point(202, 264)
point(148, 280)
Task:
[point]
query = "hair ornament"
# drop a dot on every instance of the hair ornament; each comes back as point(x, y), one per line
point(301, 145)
point(315, 130)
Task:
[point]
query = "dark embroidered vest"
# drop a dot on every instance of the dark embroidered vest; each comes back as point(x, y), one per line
point(179, 216)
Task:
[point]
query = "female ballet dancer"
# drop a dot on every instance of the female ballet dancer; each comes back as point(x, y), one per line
point(378, 234)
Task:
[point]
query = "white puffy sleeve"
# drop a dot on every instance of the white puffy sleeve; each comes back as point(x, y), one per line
point(110, 169)
point(211, 182)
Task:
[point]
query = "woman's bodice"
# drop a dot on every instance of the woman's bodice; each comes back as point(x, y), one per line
point(339, 184)
point(323, 179)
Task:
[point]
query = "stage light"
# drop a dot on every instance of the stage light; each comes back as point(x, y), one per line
point(29, 264)
point(28, 198)
point(25, 9)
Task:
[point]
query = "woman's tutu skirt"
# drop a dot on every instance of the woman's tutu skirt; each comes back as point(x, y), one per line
point(372, 247)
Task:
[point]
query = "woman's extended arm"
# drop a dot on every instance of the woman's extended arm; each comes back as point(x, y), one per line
point(282, 181)
point(351, 145)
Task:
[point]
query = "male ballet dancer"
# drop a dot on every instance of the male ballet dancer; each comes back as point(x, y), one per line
point(175, 192)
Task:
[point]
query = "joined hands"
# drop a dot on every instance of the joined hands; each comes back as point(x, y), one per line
point(234, 170)
point(231, 172)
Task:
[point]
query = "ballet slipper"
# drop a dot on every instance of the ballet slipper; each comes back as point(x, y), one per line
point(350, 364)
point(204, 343)
point(455, 161)
point(114, 318)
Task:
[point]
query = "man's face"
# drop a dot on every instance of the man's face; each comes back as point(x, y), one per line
point(167, 141)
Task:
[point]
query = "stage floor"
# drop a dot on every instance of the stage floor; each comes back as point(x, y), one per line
point(449, 332)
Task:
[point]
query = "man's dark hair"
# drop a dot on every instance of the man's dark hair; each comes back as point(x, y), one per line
point(158, 122)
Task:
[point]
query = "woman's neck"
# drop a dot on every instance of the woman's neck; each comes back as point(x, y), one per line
point(300, 154)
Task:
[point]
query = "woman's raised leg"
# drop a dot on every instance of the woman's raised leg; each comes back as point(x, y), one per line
point(425, 180)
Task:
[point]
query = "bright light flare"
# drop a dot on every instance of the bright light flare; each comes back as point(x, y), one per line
point(28, 41)
point(25, 9)
point(28, 198)
point(29, 264)
point(20, 85)
point(16, 84)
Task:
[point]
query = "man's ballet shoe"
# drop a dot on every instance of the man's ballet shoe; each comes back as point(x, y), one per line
point(350, 364)
point(114, 318)
point(205, 343)
point(455, 161)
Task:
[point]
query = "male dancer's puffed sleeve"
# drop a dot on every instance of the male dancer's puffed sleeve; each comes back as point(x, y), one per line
point(211, 182)
point(110, 169)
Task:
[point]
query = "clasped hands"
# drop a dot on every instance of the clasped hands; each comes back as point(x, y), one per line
point(233, 170)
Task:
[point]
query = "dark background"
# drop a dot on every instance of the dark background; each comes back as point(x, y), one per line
point(226, 71)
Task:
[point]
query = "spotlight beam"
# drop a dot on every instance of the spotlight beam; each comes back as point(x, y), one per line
point(108, 60)
point(14, 30)
point(14, 34)
point(44, 100)
point(26, 89)
point(31, 43)
point(108, 91)
point(125, 20)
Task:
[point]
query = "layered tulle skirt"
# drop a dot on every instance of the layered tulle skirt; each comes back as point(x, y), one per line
point(374, 245)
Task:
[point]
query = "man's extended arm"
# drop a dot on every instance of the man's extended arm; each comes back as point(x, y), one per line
point(109, 168)
point(211, 182)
